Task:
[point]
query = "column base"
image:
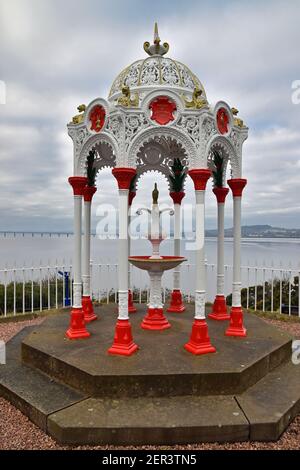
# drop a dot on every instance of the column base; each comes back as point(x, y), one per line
point(88, 309)
point(123, 344)
point(77, 329)
point(155, 320)
point(199, 342)
point(131, 307)
point(236, 327)
point(176, 304)
point(219, 310)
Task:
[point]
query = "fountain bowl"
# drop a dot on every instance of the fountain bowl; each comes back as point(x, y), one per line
point(148, 263)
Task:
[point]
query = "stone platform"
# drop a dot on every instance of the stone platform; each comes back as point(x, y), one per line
point(79, 394)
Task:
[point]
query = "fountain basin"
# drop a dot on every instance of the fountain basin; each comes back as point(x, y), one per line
point(164, 263)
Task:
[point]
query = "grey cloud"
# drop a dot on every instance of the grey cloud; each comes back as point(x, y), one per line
point(56, 55)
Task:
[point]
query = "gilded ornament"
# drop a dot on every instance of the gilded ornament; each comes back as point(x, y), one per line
point(197, 102)
point(237, 122)
point(78, 119)
point(126, 100)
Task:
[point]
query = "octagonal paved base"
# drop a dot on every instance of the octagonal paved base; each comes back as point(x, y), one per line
point(162, 395)
point(161, 367)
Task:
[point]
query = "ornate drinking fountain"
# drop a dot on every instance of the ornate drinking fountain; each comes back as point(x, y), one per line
point(155, 265)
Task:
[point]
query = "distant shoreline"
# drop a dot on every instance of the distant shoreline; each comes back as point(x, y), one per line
point(208, 236)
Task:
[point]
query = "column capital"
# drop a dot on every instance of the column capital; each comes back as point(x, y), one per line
point(88, 193)
point(177, 196)
point(237, 185)
point(78, 184)
point(200, 177)
point(124, 176)
point(131, 197)
point(221, 194)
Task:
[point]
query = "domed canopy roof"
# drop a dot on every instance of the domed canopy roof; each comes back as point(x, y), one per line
point(156, 71)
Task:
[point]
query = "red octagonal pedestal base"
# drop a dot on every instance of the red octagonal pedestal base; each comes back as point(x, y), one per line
point(155, 320)
point(199, 342)
point(77, 329)
point(123, 344)
point(219, 311)
point(236, 327)
point(88, 309)
point(176, 304)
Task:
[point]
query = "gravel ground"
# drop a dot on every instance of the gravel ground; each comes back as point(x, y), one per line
point(18, 432)
point(8, 330)
point(292, 328)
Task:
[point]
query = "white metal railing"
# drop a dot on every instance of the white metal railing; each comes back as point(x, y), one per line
point(38, 288)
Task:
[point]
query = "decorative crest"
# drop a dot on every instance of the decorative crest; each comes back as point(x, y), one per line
point(163, 109)
point(156, 48)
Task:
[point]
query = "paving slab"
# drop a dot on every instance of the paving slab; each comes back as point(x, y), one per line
point(31, 391)
point(272, 403)
point(152, 421)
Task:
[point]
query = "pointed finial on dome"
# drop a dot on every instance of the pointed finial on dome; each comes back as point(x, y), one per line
point(156, 35)
point(156, 48)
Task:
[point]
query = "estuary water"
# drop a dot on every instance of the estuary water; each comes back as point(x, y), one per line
point(37, 249)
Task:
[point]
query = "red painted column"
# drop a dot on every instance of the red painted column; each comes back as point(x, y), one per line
point(123, 343)
point(87, 304)
point(77, 329)
point(219, 310)
point(199, 342)
point(176, 303)
point(131, 307)
point(236, 327)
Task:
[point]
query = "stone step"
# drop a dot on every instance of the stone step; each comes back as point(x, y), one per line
point(32, 392)
point(152, 421)
point(272, 403)
point(261, 413)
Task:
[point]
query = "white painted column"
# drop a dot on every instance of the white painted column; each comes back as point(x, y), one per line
point(88, 194)
point(199, 342)
point(123, 254)
point(236, 327)
point(219, 309)
point(236, 278)
point(177, 239)
point(77, 284)
point(77, 328)
point(220, 250)
point(86, 267)
point(176, 303)
point(78, 184)
point(123, 343)
point(237, 185)
point(129, 251)
point(200, 256)
point(132, 195)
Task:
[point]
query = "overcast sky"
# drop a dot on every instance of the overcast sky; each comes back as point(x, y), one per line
point(56, 54)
